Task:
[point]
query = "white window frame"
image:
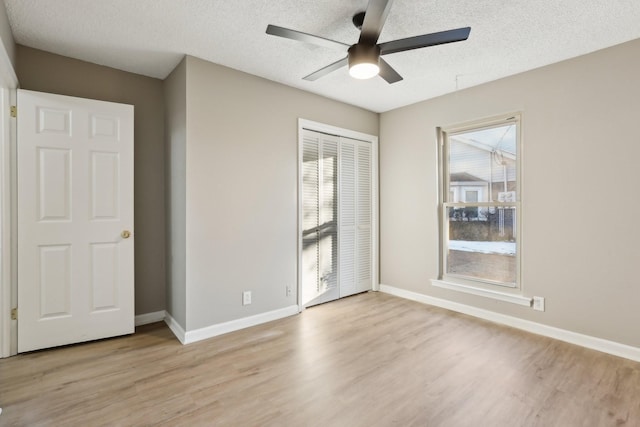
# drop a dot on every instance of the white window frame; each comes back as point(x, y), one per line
point(484, 287)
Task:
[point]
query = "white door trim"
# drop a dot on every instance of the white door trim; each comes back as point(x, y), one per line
point(8, 289)
point(347, 133)
point(7, 232)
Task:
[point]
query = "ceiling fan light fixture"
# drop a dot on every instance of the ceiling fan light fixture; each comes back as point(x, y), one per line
point(364, 70)
point(364, 61)
point(364, 57)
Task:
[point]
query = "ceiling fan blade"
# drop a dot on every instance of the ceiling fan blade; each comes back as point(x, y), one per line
point(425, 40)
point(326, 70)
point(374, 19)
point(274, 30)
point(388, 73)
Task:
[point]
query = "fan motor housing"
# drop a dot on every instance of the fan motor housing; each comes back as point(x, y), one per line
point(359, 53)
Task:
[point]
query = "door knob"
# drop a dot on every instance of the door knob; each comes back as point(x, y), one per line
point(125, 234)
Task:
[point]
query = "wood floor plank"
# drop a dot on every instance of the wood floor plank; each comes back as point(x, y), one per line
point(367, 360)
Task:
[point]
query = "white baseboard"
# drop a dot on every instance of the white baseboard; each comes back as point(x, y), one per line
point(175, 327)
point(234, 325)
point(594, 343)
point(145, 319)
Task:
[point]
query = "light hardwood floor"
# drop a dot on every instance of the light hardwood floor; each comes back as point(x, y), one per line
point(368, 360)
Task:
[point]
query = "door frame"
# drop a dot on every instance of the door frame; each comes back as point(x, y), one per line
point(346, 133)
point(8, 191)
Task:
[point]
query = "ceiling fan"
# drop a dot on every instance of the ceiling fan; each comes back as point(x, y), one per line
point(363, 58)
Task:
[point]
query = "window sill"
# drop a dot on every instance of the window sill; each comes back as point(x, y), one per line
point(501, 296)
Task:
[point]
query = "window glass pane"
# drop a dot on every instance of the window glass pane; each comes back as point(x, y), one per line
point(482, 243)
point(486, 160)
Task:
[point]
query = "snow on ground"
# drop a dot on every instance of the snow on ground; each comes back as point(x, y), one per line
point(501, 248)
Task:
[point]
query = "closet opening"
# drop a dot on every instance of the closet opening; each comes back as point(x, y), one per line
point(337, 236)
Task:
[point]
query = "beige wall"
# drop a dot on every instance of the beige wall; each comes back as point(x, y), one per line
point(6, 36)
point(175, 97)
point(581, 144)
point(41, 71)
point(241, 188)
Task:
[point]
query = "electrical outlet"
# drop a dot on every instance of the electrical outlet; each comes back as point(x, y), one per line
point(246, 298)
point(538, 303)
point(288, 291)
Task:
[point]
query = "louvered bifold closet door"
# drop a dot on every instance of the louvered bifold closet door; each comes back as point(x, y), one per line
point(355, 217)
point(328, 226)
point(347, 217)
point(319, 218)
point(363, 218)
point(310, 217)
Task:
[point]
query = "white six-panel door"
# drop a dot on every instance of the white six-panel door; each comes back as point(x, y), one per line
point(75, 220)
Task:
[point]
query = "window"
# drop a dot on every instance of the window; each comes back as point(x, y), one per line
point(471, 196)
point(480, 203)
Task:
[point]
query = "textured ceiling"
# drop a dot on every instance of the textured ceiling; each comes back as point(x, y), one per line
point(150, 37)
